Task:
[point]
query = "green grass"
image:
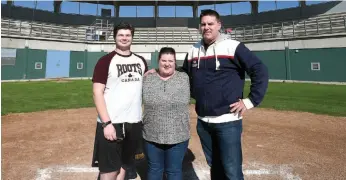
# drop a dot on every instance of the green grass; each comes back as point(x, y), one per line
point(38, 96)
point(315, 98)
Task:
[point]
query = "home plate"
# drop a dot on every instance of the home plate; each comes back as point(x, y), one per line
point(197, 171)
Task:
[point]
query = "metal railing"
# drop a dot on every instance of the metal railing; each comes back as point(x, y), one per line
point(99, 30)
point(34, 29)
point(316, 26)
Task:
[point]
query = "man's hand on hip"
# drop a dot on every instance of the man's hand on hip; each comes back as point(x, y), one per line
point(238, 107)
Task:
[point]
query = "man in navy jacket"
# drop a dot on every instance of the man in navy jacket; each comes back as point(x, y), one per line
point(216, 66)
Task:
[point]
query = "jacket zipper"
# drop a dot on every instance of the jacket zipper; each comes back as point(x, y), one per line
point(205, 94)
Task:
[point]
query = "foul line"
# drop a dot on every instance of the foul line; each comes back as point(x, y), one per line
point(46, 173)
point(201, 170)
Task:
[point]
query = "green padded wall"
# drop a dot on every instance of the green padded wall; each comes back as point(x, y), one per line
point(332, 64)
point(16, 71)
point(75, 58)
point(275, 62)
point(91, 59)
point(36, 56)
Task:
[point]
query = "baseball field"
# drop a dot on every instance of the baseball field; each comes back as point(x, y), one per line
point(298, 132)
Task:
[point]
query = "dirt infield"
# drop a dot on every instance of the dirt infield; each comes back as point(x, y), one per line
point(58, 144)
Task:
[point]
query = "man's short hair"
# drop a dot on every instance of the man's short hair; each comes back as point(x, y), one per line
point(209, 12)
point(123, 25)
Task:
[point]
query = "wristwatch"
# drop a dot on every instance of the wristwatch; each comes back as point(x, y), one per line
point(104, 124)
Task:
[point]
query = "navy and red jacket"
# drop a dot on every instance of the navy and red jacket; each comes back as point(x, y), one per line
point(217, 76)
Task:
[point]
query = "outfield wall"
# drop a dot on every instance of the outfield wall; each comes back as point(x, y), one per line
point(286, 60)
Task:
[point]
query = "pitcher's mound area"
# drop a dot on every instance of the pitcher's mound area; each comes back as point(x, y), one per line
point(58, 144)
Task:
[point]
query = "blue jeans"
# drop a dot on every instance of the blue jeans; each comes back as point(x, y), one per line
point(221, 143)
point(165, 158)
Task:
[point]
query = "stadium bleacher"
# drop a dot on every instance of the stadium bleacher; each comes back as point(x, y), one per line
point(329, 24)
point(101, 30)
point(12, 27)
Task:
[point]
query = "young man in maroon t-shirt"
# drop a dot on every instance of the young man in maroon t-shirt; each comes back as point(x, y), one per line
point(117, 92)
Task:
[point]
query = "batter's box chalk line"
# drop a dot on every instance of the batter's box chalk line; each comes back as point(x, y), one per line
point(284, 171)
point(46, 173)
point(253, 169)
point(201, 171)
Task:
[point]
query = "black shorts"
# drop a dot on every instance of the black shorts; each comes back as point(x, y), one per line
point(110, 156)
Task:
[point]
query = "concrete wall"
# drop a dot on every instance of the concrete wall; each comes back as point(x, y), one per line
point(326, 42)
point(78, 46)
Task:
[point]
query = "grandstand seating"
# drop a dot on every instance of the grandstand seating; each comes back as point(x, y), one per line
point(322, 24)
point(329, 24)
point(35, 29)
point(314, 26)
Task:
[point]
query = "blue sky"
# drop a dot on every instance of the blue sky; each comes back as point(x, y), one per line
point(164, 11)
